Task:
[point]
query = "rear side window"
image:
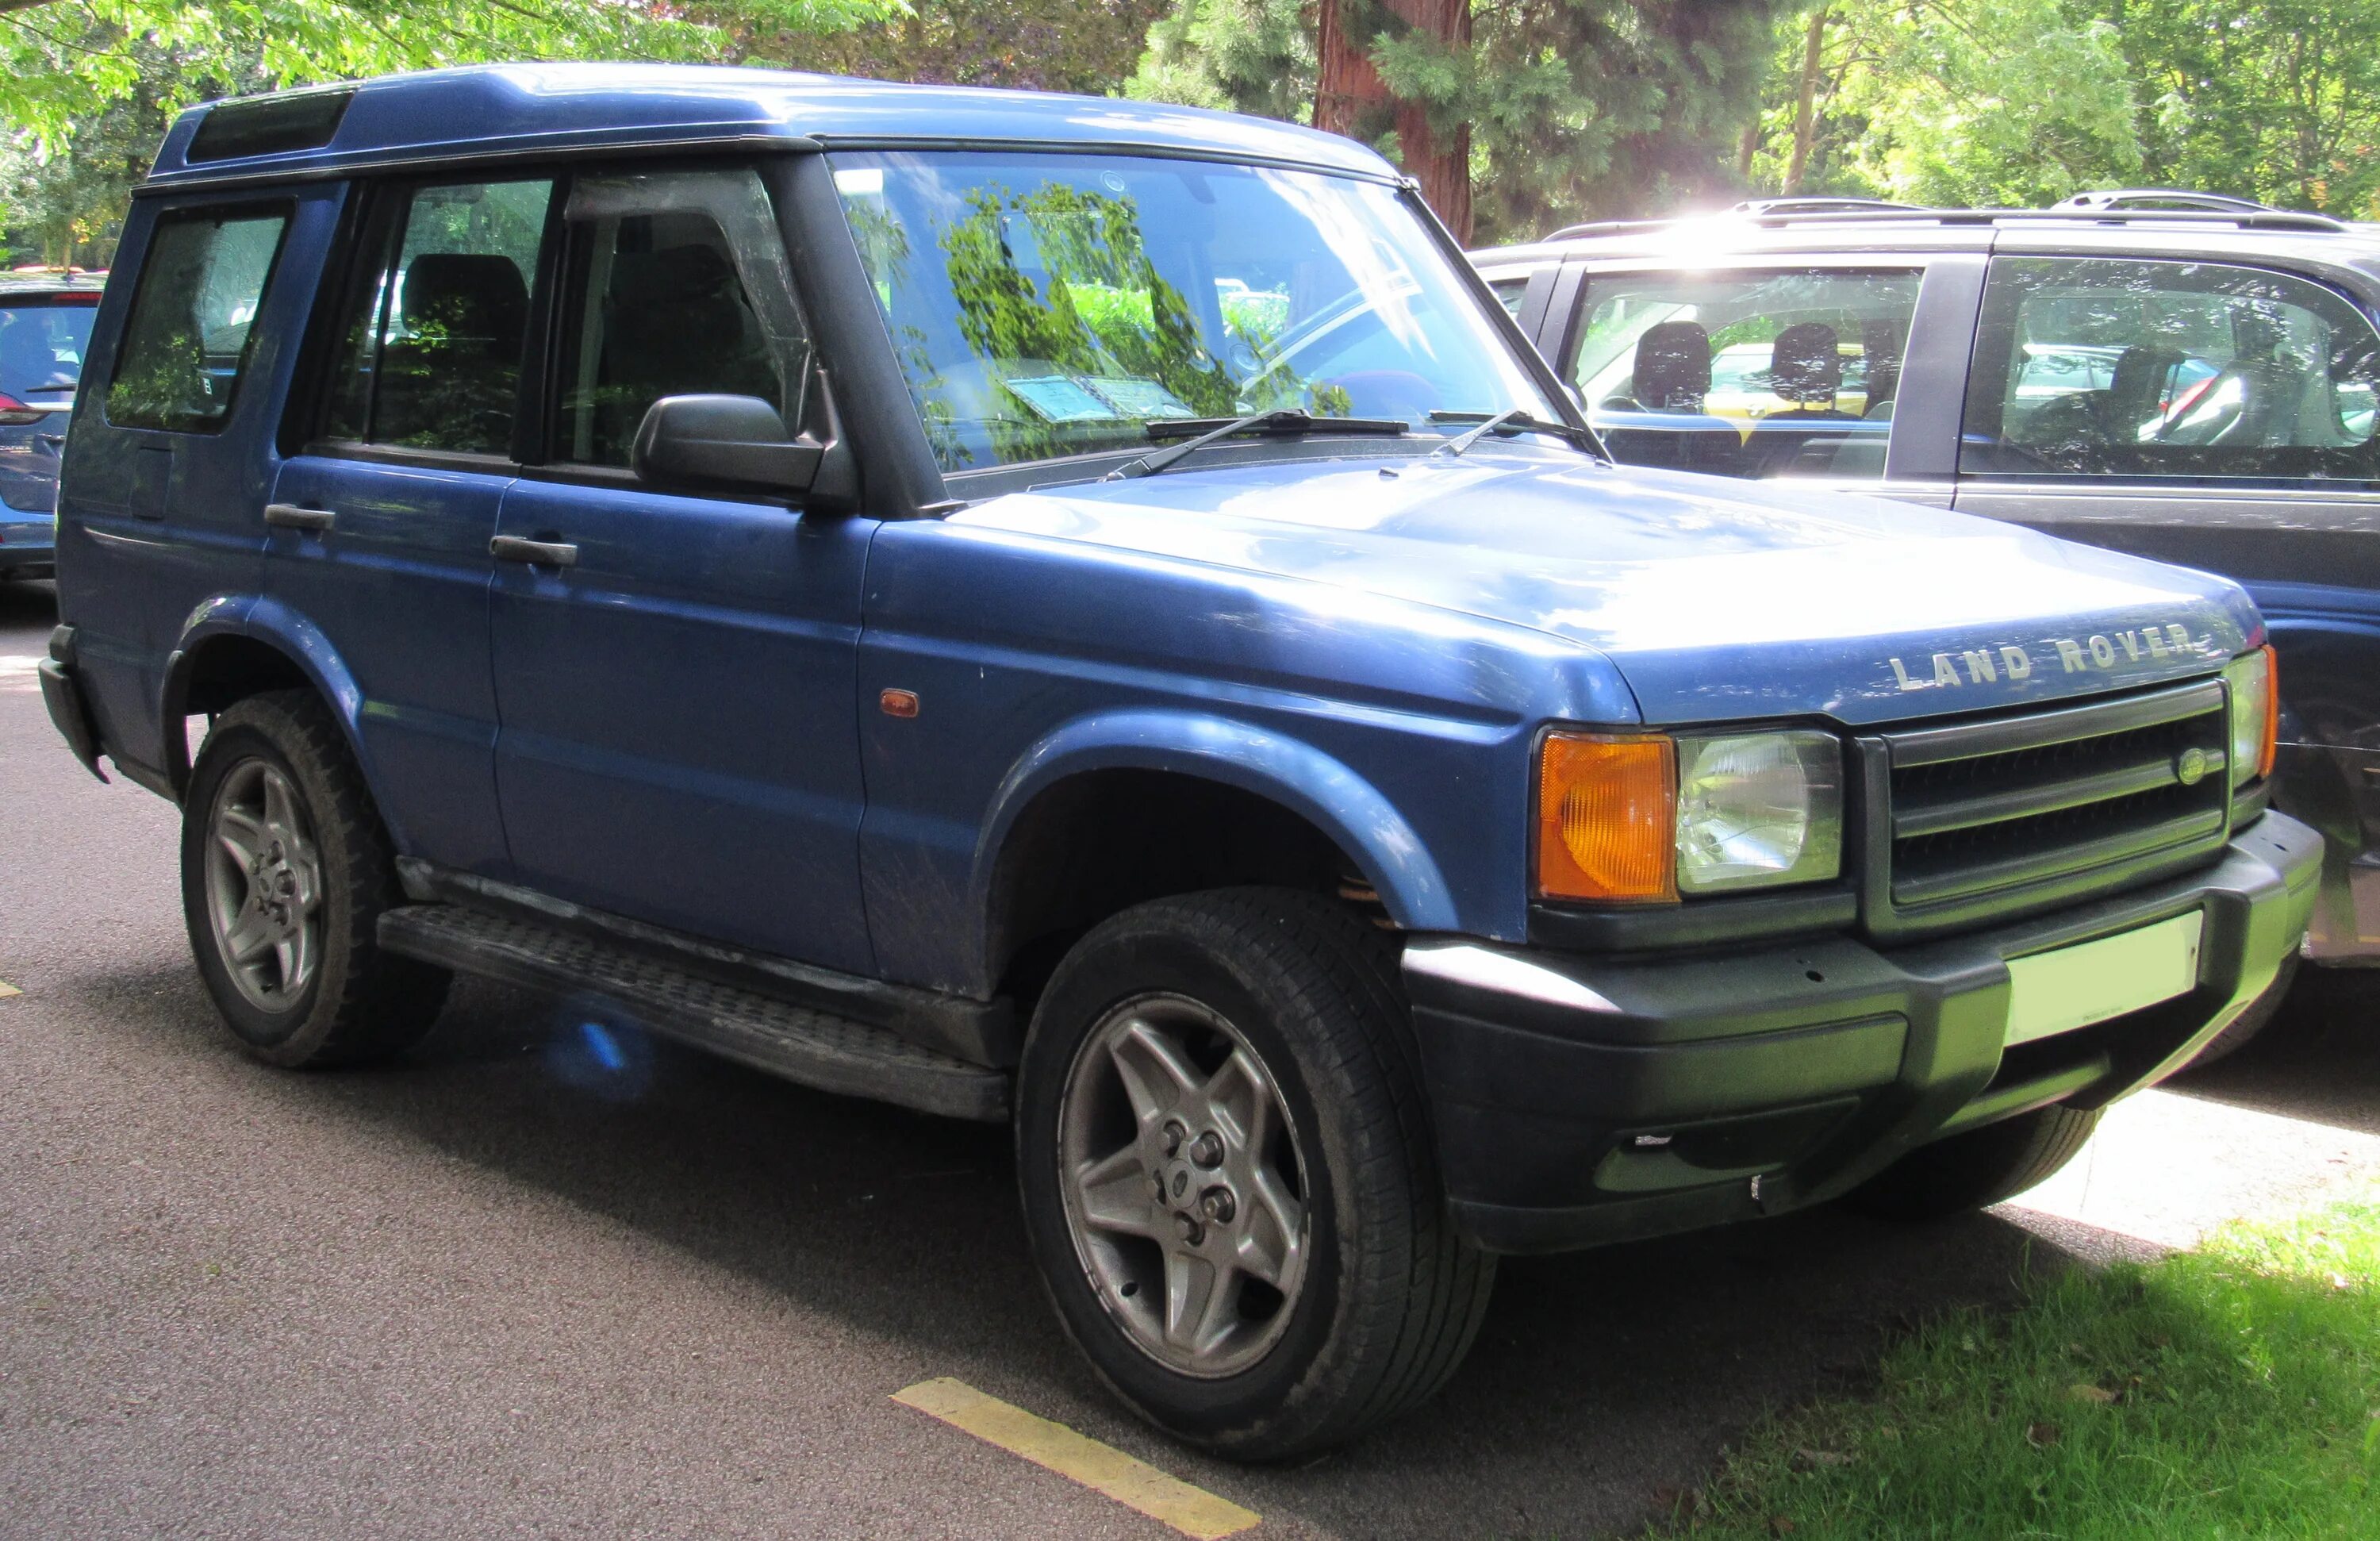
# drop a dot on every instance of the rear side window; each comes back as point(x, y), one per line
point(1751, 373)
point(429, 355)
point(2101, 367)
point(187, 342)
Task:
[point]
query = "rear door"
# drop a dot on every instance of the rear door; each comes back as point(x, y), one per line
point(2221, 415)
point(378, 532)
point(676, 673)
point(171, 449)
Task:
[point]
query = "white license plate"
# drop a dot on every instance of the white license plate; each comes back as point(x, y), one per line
point(2074, 987)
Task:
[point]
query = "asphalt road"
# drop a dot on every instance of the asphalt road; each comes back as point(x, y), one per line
point(500, 1289)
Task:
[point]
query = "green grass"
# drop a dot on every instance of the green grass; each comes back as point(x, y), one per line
point(2229, 1393)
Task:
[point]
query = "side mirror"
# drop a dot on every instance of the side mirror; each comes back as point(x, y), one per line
point(738, 442)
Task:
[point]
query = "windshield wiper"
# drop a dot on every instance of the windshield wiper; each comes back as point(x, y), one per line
point(1287, 421)
point(1516, 420)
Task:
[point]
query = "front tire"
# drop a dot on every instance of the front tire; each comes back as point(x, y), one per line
point(1979, 1168)
point(1228, 1177)
point(285, 871)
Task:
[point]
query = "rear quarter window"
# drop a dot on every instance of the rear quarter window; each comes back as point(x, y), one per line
point(187, 341)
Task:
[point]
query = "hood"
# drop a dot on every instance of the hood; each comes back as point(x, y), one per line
point(1716, 600)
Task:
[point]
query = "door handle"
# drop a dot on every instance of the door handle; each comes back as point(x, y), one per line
point(539, 554)
point(288, 515)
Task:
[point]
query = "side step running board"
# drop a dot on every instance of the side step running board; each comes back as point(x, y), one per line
point(831, 1053)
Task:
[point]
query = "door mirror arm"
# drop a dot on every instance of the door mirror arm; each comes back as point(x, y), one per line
point(740, 443)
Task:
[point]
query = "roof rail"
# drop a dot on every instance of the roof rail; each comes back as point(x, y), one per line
point(1812, 204)
point(2169, 199)
point(2256, 219)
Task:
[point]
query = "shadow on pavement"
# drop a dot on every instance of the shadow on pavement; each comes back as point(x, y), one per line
point(1599, 1380)
point(2318, 1060)
point(28, 603)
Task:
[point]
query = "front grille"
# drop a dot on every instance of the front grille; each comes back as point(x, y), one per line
point(1982, 817)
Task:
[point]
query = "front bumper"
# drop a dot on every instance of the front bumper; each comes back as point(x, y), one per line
point(1581, 1100)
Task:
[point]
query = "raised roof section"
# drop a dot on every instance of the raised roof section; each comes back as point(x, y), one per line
point(451, 117)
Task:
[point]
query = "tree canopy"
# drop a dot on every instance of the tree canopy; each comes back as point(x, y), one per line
point(2023, 101)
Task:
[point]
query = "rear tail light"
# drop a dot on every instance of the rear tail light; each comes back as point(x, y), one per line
point(16, 414)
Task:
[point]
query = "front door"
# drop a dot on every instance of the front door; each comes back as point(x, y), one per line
point(675, 673)
point(377, 535)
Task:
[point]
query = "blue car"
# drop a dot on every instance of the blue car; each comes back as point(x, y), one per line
point(44, 327)
point(1088, 616)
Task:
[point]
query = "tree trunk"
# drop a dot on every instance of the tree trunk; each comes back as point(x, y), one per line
point(1805, 103)
point(1350, 97)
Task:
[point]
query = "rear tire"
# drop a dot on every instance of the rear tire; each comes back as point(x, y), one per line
point(1250, 1046)
point(286, 872)
point(1976, 1169)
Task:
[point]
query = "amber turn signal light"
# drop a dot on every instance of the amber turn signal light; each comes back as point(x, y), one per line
point(1607, 817)
point(2272, 742)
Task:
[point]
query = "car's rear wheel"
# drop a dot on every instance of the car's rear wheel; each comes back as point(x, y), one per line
point(1227, 1179)
point(285, 871)
point(1978, 1169)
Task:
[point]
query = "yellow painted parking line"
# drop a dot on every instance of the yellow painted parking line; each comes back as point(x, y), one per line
point(8, 988)
point(1101, 1468)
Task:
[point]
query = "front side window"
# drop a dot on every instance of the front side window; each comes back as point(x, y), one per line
point(1047, 305)
point(431, 353)
point(1750, 373)
point(678, 286)
point(187, 342)
point(2099, 367)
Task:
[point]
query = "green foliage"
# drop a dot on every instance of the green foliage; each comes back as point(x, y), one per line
point(1239, 55)
point(1577, 108)
point(1074, 45)
point(2024, 101)
point(2223, 1393)
point(88, 86)
point(2275, 99)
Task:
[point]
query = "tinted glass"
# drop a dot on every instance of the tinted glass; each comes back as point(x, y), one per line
point(1052, 305)
point(1762, 374)
point(431, 356)
point(41, 343)
point(2097, 367)
point(679, 286)
point(186, 344)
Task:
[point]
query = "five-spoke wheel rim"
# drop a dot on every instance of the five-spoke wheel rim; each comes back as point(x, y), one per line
point(264, 886)
point(1185, 1188)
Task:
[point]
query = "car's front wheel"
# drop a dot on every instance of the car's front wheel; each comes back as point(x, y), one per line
point(1228, 1177)
point(286, 870)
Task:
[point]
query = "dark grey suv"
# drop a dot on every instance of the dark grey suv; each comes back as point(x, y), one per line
point(2195, 386)
point(44, 325)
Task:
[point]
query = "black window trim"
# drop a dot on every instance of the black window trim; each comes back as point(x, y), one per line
point(371, 224)
point(225, 210)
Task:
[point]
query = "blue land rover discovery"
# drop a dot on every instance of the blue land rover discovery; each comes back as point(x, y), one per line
point(1090, 616)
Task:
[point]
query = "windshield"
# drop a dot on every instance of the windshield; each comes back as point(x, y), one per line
point(42, 342)
point(1046, 305)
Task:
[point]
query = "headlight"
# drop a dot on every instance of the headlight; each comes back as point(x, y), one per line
point(1644, 818)
point(1758, 809)
point(2255, 682)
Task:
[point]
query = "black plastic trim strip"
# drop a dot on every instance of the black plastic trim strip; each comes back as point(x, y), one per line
point(980, 1032)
